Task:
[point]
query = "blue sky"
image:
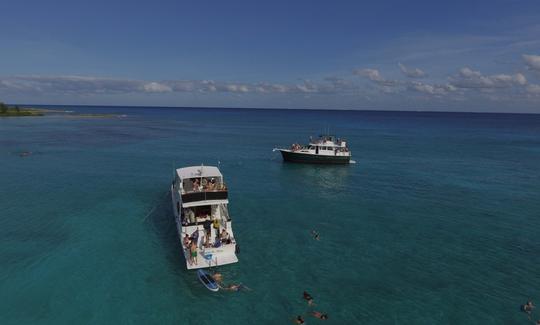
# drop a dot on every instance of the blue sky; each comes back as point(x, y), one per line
point(406, 55)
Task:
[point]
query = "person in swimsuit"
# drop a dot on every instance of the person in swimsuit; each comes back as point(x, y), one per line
point(218, 277)
point(187, 240)
point(527, 308)
point(233, 287)
point(224, 234)
point(309, 298)
point(319, 315)
point(236, 287)
point(299, 320)
point(196, 185)
point(315, 234)
point(194, 252)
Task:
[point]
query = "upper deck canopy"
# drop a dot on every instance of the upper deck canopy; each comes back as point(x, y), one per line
point(327, 141)
point(198, 171)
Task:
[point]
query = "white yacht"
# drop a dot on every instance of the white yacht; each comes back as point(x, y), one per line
point(200, 200)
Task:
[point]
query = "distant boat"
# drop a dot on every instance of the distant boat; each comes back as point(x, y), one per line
point(200, 199)
point(325, 150)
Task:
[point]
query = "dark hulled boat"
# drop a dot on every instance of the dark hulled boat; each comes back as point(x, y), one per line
point(325, 150)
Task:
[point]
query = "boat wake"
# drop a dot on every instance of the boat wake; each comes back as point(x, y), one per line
point(352, 161)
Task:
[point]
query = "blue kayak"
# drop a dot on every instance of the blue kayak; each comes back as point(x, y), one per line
point(207, 280)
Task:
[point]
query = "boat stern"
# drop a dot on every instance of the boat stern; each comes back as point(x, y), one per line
point(209, 257)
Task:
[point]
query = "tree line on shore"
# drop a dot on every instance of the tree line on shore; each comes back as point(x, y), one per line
point(6, 110)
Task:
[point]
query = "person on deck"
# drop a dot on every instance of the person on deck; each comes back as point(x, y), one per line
point(187, 240)
point(217, 242)
point(193, 252)
point(196, 184)
point(224, 235)
point(212, 185)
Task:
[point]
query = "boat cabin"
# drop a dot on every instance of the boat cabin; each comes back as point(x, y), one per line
point(201, 183)
point(324, 145)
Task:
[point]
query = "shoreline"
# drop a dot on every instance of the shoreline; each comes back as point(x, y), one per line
point(36, 112)
point(413, 111)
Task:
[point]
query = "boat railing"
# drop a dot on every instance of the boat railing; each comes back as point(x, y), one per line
point(209, 187)
point(224, 216)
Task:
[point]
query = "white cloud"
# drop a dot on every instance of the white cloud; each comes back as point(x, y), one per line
point(371, 74)
point(155, 87)
point(411, 72)
point(236, 88)
point(520, 79)
point(271, 88)
point(468, 78)
point(532, 61)
point(84, 85)
point(375, 76)
point(431, 89)
point(533, 89)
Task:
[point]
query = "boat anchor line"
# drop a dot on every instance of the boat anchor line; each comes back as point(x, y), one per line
point(154, 208)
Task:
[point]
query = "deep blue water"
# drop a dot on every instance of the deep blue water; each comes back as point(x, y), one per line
point(437, 222)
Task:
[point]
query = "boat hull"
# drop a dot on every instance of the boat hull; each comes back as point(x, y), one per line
point(306, 158)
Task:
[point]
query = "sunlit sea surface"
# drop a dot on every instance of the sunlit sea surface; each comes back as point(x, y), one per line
point(438, 222)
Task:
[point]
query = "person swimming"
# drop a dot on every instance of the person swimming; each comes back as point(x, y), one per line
point(319, 315)
point(218, 277)
point(299, 320)
point(315, 235)
point(309, 298)
point(527, 308)
point(236, 287)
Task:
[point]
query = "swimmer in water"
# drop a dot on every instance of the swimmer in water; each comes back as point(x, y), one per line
point(527, 308)
point(319, 315)
point(309, 298)
point(299, 320)
point(315, 235)
point(236, 287)
point(218, 277)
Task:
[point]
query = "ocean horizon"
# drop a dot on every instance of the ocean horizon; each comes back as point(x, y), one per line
point(435, 223)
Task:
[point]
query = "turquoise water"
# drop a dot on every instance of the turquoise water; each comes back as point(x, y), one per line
point(437, 223)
